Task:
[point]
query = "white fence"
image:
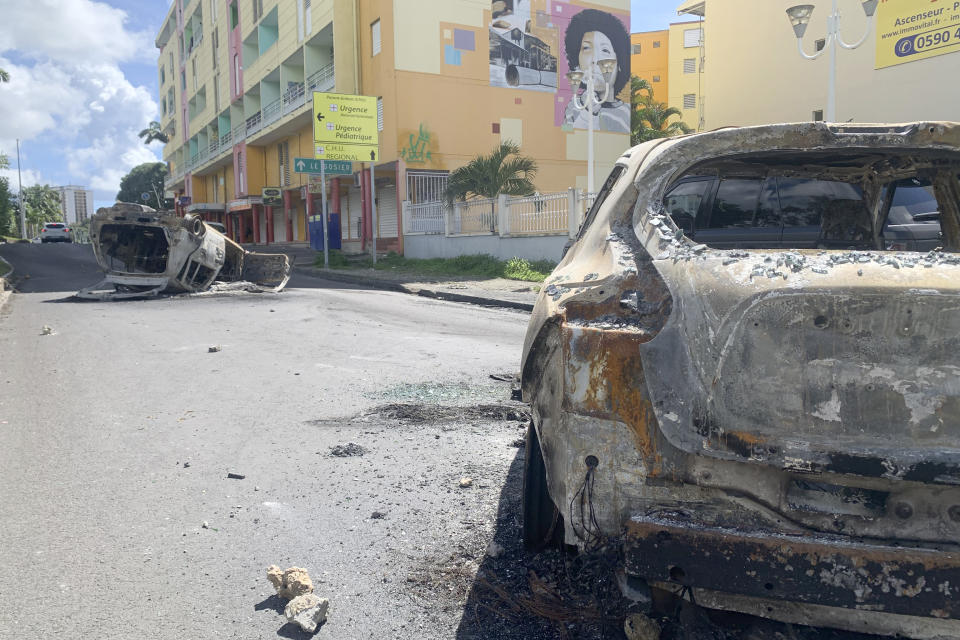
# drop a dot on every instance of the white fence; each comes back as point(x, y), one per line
point(537, 215)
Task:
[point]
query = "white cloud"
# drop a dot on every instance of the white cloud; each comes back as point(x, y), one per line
point(28, 177)
point(68, 97)
point(71, 30)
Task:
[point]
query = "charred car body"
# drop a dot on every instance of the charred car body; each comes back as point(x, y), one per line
point(144, 252)
point(774, 424)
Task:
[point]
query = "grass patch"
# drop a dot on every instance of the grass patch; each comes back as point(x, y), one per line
point(484, 266)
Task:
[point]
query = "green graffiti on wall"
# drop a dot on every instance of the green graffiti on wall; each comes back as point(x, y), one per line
point(416, 149)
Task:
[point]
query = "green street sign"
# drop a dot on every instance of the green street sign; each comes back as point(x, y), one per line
point(330, 167)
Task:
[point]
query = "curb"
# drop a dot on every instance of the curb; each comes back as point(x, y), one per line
point(414, 289)
point(4, 282)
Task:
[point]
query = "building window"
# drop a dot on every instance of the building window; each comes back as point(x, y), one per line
point(234, 15)
point(283, 155)
point(820, 44)
point(213, 10)
point(257, 9)
point(495, 127)
point(193, 66)
point(818, 115)
point(689, 65)
point(689, 101)
point(375, 36)
point(216, 45)
point(656, 78)
point(692, 37)
point(236, 73)
point(635, 49)
point(656, 44)
point(183, 80)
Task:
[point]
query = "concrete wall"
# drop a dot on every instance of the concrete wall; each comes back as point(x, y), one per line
point(438, 246)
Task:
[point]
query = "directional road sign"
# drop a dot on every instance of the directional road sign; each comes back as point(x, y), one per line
point(345, 127)
point(330, 167)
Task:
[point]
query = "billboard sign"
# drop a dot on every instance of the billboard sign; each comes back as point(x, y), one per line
point(909, 30)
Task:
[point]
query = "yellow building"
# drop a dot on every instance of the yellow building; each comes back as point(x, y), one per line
point(453, 79)
point(757, 75)
point(649, 60)
point(686, 69)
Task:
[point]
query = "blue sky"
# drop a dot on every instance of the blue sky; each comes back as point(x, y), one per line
point(84, 82)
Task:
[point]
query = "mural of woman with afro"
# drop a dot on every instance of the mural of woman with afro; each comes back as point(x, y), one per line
point(595, 35)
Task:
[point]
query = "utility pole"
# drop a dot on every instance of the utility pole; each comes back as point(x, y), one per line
point(23, 217)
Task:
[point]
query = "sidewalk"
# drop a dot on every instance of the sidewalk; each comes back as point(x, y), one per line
point(489, 292)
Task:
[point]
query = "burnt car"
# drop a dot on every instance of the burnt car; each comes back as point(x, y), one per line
point(145, 252)
point(734, 379)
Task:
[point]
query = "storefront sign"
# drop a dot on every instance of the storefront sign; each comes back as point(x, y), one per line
point(909, 30)
point(272, 197)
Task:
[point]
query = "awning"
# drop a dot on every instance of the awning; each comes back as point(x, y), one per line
point(693, 7)
point(205, 206)
point(242, 204)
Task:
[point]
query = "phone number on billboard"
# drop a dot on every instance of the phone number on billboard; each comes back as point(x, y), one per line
point(926, 41)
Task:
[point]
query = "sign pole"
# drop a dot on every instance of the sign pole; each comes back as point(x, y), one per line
point(326, 226)
point(373, 209)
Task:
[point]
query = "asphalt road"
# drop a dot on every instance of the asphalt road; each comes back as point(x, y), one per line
point(118, 430)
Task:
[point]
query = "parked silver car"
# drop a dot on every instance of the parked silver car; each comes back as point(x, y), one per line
point(766, 414)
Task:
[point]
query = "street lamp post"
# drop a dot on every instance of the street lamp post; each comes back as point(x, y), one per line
point(607, 68)
point(800, 17)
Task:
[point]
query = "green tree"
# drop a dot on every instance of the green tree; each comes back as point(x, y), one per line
point(4, 76)
point(153, 132)
point(487, 176)
point(650, 119)
point(41, 203)
point(7, 212)
point(143, 178)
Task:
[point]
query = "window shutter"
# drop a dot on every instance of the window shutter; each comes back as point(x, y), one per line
point(379, 114)
point(375, 35)
point(689, 65)
point(692, 37)
point(689, 101)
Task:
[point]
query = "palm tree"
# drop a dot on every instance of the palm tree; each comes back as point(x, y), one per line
point(489, 176)
point(649, 118)
point(4, 76)
point(153, 132)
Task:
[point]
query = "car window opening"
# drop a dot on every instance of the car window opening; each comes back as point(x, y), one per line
point(134, 249)
point(817, 201)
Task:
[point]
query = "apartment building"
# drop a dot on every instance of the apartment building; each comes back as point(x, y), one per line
point(76, 203)
point(687, 69)
point(649, 60)
point(758, 76)
point(453, 79)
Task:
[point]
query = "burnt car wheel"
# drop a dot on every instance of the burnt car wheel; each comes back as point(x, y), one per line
point(542, 522)
point(194, 224)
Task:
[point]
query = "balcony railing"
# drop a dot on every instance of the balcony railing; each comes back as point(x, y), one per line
point(254, 123)
point(322, 80)
point(226, 140)
point(239, 133)
point(271, 112)
point(294, 98)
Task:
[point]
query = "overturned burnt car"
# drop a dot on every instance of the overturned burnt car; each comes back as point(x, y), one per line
point(735, 373)
point(145, 252)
